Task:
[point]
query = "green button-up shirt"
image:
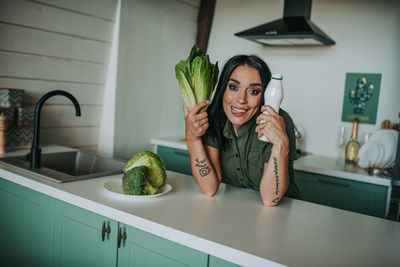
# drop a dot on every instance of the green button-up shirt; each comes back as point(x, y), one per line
point(242, 158)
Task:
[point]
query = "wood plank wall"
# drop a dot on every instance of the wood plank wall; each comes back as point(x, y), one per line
point(50, 45)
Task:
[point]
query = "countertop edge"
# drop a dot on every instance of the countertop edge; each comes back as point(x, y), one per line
point(168, 143)
point(346, 175)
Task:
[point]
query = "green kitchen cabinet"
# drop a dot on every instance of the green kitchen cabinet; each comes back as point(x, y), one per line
point(38, 230)
point(175, 159)
point(79, 242)
point(83, 238)
point(139, 248)
point(217, 262)
point(342, 193)
point(26, 226)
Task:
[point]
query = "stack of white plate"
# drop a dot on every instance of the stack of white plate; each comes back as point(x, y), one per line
point(380, 150)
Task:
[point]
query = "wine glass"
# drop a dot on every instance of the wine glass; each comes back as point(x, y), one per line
point(342, 140)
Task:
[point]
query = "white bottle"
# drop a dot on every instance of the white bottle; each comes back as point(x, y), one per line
point(273, 96)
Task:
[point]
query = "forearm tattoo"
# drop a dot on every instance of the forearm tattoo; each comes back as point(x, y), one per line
point(204, 170)
point(276, 200)
point(276, 175)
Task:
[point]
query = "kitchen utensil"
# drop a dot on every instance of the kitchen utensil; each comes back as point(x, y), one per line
point(115, 188)
point(3, 128)
point(386, 124)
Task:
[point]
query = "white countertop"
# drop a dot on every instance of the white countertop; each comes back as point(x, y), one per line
point(336, 167)
point(235, 226)
point(319, 164)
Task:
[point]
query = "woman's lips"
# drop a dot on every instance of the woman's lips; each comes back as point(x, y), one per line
point(238, 112)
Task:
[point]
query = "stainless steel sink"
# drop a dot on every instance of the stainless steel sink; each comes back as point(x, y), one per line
point(69, 166)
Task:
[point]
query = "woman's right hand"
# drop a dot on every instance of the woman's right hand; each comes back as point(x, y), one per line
point(196, 123)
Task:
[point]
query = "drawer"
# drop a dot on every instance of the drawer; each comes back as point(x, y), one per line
point(174, 159)
point(341, 193)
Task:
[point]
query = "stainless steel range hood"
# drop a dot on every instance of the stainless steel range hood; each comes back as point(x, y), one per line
point(295, 28)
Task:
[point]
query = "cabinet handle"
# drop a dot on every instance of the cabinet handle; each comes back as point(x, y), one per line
point(105, 230)
point(333, 183)
point(120, 236)
point(181, 153)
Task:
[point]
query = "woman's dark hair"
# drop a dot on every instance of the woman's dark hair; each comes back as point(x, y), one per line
point(217, 117)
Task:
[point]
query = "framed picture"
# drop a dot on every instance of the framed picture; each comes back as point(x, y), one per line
point(361, 97)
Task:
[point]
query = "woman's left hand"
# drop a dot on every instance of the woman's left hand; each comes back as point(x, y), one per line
point(273, 127)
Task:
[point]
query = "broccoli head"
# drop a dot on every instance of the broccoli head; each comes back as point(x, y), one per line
point(135, 180)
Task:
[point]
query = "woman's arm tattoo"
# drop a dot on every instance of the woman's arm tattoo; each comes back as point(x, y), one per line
point(276, 176)
point(204, 170)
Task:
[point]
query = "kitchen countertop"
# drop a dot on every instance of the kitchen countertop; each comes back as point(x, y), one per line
point(331, 166)
point(319, 164)
point(234, 225)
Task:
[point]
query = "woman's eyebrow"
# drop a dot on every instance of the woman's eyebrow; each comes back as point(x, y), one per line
point(233, 80)
point(255, 84)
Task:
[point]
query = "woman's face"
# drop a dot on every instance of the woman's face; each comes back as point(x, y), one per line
point(242, 95)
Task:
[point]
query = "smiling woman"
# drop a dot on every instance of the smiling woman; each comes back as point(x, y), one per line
point(223, 143)
point(242, 97)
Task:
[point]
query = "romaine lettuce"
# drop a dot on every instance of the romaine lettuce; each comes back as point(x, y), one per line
point(197, 77)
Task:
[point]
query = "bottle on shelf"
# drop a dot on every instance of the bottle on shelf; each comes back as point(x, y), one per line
point(352, 145)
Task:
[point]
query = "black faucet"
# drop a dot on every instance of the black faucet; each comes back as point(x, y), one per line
point(35, 150)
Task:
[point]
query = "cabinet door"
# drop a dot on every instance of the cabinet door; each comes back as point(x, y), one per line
point(341, 193)
point(78, 237)
point(26, 226)
point(174, 159)
point(144, 249)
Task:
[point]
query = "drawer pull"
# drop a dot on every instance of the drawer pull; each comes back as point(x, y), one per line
point(120, 237)
point(323, 181)
point(181, 153)
point(105, 230)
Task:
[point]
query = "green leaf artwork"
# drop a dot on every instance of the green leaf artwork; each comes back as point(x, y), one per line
point(361, 97)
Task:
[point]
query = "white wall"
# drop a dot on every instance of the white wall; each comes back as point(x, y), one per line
point(50, 45)
point(107, 126)
point(154, 36)
point(367, 35)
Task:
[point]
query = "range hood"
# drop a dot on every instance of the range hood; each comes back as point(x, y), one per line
point(295, 28)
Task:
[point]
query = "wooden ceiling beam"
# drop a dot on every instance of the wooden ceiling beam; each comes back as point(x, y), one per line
point(204, 22)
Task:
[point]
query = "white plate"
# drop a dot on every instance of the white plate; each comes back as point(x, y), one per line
point(387, 140)
point(381, 154)
point(362, 159)
point(115, 188)
point(368, 155)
